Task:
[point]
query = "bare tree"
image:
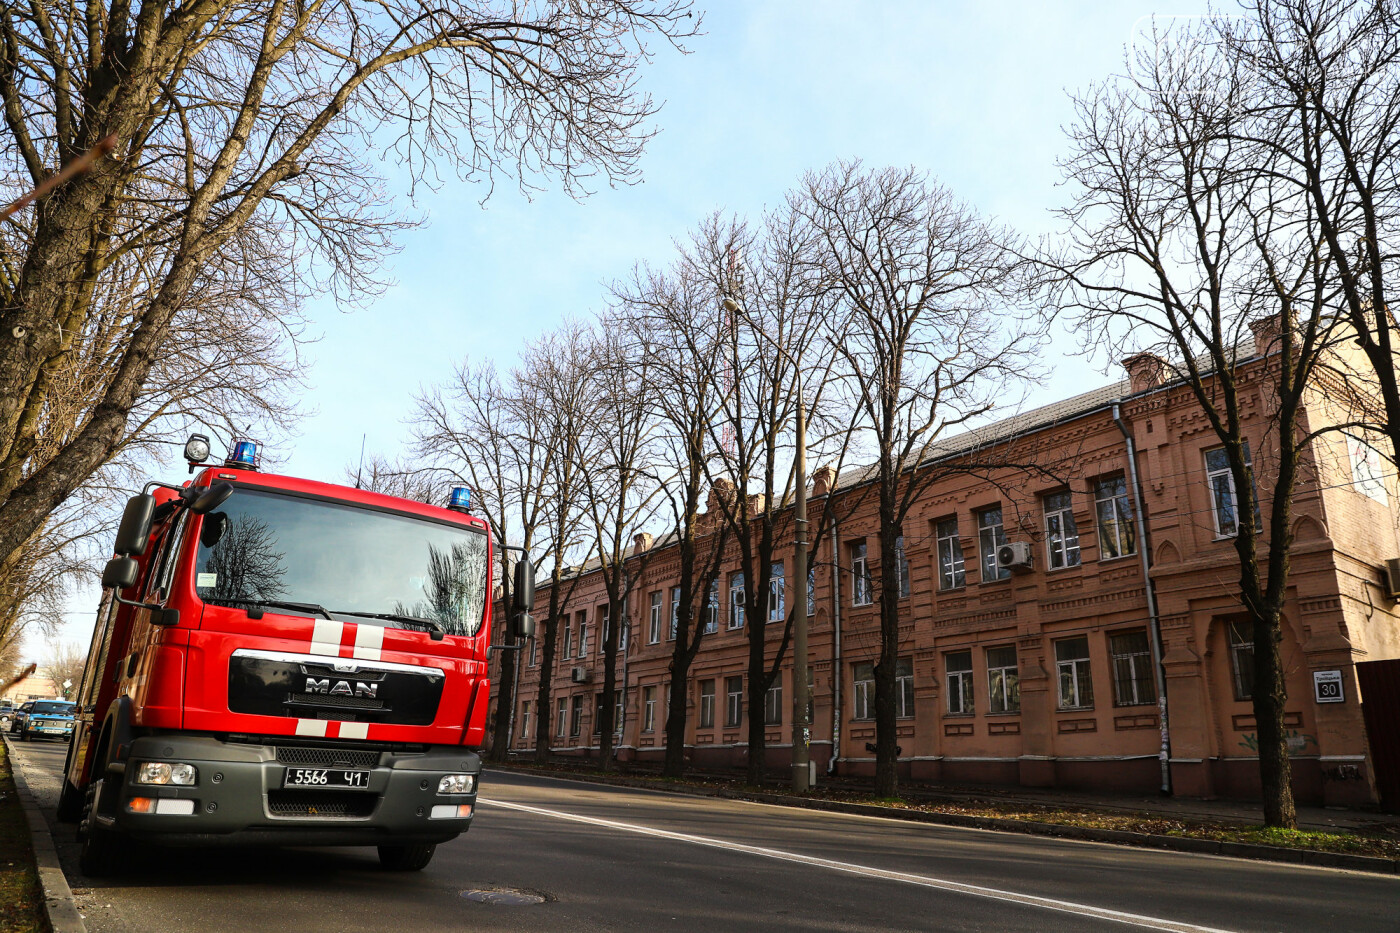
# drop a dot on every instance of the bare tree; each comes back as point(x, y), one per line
point(1184, 235)
point(620, 493)
point(920, 288)
point(63, 664)
point(672, 319)
point(241, 133)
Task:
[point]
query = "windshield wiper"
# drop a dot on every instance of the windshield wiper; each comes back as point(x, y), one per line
point(398, 617)
point(273, 604)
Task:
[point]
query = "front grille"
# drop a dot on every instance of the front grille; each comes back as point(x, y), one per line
point(320, 804)
point(342, 702)
point(327, 757)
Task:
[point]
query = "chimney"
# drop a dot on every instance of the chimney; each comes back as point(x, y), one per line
point(641, 542)
point(1145, 371)
point(721, 491)
point(822, 480)
point(1266, 334)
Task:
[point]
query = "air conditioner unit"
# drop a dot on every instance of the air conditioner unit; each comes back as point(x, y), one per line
point(1392, 578)
point(581, 675)
point(1015, 555)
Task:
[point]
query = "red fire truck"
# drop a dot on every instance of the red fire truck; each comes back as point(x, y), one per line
point(283, 661)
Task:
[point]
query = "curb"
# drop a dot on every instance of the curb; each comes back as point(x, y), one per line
point(62, 910)
point(1366, 863)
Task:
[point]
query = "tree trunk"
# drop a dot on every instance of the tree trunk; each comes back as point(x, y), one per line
point(542, 695)
point(1270, 697)
point(886, 728)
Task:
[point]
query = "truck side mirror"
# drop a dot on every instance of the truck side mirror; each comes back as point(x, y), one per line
point(212, 498)
point(135, 528)
point(524, 626)
point(522, 597)
point(119, 573)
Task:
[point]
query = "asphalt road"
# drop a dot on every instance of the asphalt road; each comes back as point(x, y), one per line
point(618, 859)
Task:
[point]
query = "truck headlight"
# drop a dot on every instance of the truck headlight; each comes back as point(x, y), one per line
point(457, 784)
point(166, 772)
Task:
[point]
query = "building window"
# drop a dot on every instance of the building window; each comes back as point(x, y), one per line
point(1117, 530)
point(733, 700)
point(904, 688)
point(654, 625)
point(863, 694)
point(951, 574)
point(675, 610)
point(583, 638)
point(1061, 534)
point(1224, 502)
point(1003, 680)
point(861, 590)
point(712, 609)
point(901, 567)
point(811, 589)
point(1072, 668)
point(568, 641)
point(736, 600)
point(648, 709)
point(524, 720)
point(773, 703)
point(707, 704)
point(1242, 659)
point(534, 643)
point(777, 607)
point(560, 712)
point(1133, 683)
point(576, 716)
point(597, 714)
point(958, 664)
point(990, 536)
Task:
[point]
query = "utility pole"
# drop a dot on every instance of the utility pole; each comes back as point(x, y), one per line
point(801, 728)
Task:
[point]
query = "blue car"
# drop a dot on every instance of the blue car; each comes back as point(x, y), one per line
point(46, 718)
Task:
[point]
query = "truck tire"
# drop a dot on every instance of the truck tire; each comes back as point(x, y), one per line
point(103, 852)
point(406, 858)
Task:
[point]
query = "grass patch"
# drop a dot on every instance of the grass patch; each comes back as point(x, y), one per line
point(21, 902)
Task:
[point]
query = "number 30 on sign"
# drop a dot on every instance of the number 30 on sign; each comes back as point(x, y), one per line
point(1327, 687)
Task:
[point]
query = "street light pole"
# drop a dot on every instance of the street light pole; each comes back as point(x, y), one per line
point(801, 728)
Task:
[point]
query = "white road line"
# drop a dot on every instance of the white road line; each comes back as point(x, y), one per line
point(973, 890)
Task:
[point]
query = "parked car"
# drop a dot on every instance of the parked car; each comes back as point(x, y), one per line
point(47, 718)
point(7, 714)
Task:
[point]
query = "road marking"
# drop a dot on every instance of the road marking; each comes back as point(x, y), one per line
point(926, 881)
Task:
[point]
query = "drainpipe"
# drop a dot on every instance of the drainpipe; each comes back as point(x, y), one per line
point(836, 676)
point(1164, 753)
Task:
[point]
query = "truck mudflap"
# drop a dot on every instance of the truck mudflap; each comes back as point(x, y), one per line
point(291, 792)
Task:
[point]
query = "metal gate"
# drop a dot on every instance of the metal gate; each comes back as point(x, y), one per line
point(1380, 705)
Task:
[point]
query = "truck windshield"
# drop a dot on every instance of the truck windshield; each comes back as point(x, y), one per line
point(283, 550)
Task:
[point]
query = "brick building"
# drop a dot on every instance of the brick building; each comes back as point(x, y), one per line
point(1039, 675)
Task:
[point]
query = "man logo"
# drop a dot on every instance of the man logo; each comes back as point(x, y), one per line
point(341, 688)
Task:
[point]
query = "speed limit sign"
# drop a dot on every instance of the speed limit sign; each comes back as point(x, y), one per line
point(1327, 687)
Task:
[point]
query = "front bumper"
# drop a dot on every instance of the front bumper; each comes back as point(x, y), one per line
point(238, 797)
point(55, 728)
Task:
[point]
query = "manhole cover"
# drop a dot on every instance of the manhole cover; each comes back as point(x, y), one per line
point(504, 897)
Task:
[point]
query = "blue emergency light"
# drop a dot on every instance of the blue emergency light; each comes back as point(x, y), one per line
point(245, 453)
point(461, 499)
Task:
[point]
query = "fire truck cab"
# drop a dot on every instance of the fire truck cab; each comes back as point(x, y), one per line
point(283, 661)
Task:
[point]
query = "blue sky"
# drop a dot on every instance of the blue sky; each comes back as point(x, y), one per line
point(974, 93)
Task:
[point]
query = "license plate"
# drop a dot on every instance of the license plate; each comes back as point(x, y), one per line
point(324, 777)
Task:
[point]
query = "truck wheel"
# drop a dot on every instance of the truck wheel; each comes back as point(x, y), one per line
point(406, 858)
point(104, 852)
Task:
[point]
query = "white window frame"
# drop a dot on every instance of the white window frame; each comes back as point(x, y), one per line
point(561, 716)
point(712, 609)
point(1220, 484)
point(576, 716)
point(568, 649)
point(904, 688)
point(1061, 531)
point(675, 612)
point(1113, 511)
point(654, 626)
point(773, 703)
point(534, 644)
point(901, 564)
point(962, 676)
point(863, 690)
point(524, 720)
point(1240, 639)
point(733, 701)
point(862, 590)
point(736, 600)
point(1074, 673)
point(1003, 682)
point(777, 589)
point(990, 536)
point(952, 570)
point(648, 709)
point(706, 712)
point(582, 650)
